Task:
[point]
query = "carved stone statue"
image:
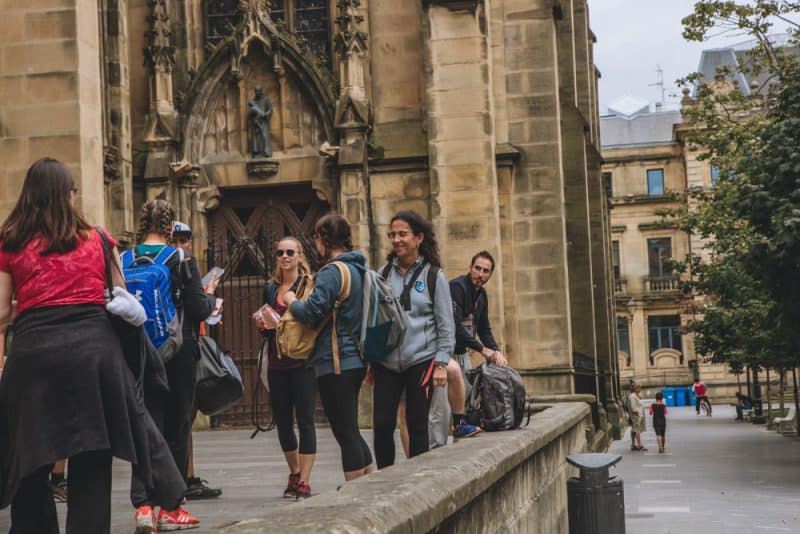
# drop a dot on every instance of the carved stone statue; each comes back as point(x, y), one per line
point(259, 112)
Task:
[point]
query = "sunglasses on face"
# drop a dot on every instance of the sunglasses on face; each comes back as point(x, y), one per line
point(290, 253)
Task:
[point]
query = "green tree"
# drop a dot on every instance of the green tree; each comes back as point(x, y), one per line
point(748, 305)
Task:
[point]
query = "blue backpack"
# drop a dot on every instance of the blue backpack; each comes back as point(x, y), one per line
point(150, 281)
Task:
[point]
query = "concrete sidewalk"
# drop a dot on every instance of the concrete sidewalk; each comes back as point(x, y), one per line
point(717, 476)
point(251, 473)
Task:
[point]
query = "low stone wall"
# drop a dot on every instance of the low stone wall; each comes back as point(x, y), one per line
point(498, 482)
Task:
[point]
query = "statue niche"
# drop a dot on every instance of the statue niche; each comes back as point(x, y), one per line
point(259, 112)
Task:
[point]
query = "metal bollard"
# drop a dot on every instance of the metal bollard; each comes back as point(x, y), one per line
point(596, 502)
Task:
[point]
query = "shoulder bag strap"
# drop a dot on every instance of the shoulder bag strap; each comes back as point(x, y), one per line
point(344, 293)
point(106, 259)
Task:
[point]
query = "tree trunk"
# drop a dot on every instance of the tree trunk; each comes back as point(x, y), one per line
point(782, 383)
point(796, 401)
point(749, 390)
point(769, 400)
point(739, 380)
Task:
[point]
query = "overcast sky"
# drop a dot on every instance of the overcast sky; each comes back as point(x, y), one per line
point(633, 36)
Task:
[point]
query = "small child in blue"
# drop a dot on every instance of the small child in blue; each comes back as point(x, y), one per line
point(659, 413)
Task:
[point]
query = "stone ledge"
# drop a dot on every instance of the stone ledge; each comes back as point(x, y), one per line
point(421, 494)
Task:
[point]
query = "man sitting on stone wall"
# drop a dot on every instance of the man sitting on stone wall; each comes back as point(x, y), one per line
point(471, 315)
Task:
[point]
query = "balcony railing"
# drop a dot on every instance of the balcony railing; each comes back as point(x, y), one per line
point(662, 284)
point(620, 286)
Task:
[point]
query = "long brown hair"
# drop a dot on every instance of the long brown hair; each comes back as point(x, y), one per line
point(44, 211)
point(156, 216)
point(302, 266)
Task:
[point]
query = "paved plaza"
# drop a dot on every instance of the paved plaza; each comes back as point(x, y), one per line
point(251, 472)
point(718, 476)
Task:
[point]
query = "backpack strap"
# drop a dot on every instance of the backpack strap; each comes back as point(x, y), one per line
point(405, 296)
point(344, 293)
point(128, 257)
point(433, 277)
point(166, 253)
point(386, 270)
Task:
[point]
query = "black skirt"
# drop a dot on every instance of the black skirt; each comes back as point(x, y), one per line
point(66, 389)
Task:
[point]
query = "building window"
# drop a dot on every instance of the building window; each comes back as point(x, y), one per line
point(220, 15)
point(655, 182)
point(615, 259)
point(608, 181)
point(658, 251)
point(663, 332)
point(714, 176)
point(624, 338)
point(309, 19)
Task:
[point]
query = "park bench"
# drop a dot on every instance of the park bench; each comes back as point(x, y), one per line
point(787, 419)
point(747, 414)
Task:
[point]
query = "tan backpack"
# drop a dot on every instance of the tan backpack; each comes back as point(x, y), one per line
point(296, 340)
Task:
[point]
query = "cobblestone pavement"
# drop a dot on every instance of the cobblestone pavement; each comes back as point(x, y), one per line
point(251, 473)
point(717, 476)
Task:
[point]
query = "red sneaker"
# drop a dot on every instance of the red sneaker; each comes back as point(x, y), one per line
point(145, 520)
point(303, 491)
point(178, 519)
point(291, 488)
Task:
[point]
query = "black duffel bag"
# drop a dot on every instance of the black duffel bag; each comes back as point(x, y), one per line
point(219, 384)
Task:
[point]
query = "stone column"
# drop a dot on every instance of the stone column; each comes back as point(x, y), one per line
point(538, 216)
point(50, 96)
point(353, 121)
point(576, 193)
point(117, 141)
point(461, 144)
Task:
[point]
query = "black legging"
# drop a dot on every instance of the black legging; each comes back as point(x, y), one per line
point(33, 510)
point(293, 392)
point(389, 386)
point(339, 394)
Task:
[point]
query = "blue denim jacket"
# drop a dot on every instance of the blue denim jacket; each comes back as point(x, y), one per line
point(318, 306)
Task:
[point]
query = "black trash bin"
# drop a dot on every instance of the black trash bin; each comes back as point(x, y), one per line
point(596, 501)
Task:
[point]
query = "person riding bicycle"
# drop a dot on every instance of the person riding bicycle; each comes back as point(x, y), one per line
point(701, 393)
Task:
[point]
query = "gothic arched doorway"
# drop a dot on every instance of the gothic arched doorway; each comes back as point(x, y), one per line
point(243, 233)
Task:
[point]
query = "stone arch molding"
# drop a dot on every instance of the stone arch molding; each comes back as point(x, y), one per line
point(666, 358)
point(226, 67)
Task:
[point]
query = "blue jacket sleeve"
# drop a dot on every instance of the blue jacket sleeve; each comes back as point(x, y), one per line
point(320, 302)
point(445, 327)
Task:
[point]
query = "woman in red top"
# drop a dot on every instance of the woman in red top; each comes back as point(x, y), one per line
point(292, 384)
point(65, 391)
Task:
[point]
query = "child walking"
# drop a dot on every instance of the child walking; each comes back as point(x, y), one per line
point(659, 413)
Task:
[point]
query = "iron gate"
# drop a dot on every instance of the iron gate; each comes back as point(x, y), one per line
point(243, 234)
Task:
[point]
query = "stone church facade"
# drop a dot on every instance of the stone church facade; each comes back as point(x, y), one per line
point(480, 114)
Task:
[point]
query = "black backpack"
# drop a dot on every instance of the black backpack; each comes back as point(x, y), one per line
point(497, 400)
point(219, 384)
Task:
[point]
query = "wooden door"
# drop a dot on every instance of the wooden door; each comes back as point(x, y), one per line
point(243, 233)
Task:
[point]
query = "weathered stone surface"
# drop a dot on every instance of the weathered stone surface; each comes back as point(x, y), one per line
point(503, 482)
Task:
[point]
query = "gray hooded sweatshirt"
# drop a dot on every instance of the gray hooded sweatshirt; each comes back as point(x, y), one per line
point(430, 330)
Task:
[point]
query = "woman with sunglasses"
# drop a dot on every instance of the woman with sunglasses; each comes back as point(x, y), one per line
point(338, 388)
point(292, 385)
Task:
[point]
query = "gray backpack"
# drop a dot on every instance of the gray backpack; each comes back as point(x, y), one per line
point(383, 325)
point(497, 399)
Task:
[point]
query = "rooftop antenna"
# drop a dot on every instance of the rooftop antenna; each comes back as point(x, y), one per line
point(660, 84)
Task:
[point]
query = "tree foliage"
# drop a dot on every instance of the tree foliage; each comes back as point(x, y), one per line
point(748, 285)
